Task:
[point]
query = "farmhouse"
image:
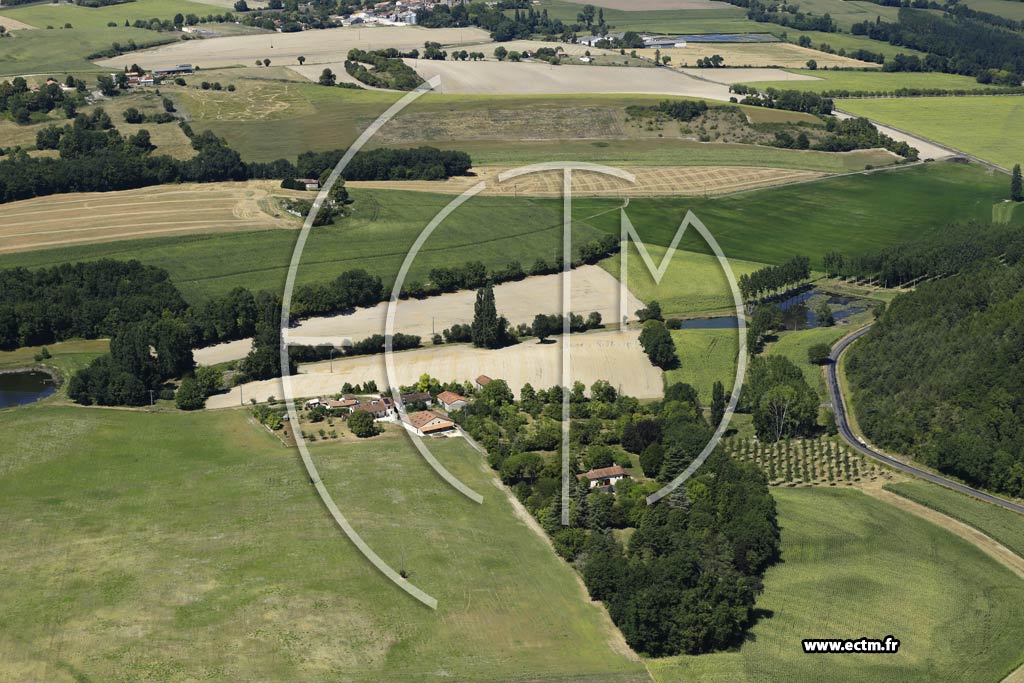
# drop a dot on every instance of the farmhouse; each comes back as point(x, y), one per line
point(604, 478)
point(180, 70)
point(343, 404)
point(382, 408)
point(481, 382)
point(450, 401)
point(427, 423)
point(309, 183)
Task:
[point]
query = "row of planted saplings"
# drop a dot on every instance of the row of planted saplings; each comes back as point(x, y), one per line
point(807, 462)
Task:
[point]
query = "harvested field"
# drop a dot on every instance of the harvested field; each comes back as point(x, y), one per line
point(14, 24)
point(754, 54)
point(593, 289)
point(189, 208)
point(614, 356)
point(283, 48)
point(524, 78)
point(661, 181)
point(748, 75)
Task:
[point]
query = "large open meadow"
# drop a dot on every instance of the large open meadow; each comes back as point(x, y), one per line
point(172, 547)
point(853, 566)
point(662, 17)
point(954, 121)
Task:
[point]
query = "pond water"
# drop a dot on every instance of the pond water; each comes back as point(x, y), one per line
point(20, 388)
point(722, 323)
point(798, 310)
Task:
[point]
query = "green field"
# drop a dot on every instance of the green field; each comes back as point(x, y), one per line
point(876, 81)
point(693, 283)
point(848, 12)
point(853, 567)
point(376, 237)
point(726, 19)
point(850, 43)
point(851, 214)
point(954, 121)
point(61, 50)
point(1003, 8)
point(794, 344)
point(174, 547)
point(705, 357)
point(1005, 526)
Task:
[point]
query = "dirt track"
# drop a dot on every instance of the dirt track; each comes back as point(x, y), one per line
point(593, 289)
point(614, 356)
point(189, 208)
point(14, 24)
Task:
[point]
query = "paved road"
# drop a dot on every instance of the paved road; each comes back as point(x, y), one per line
point(844, 430)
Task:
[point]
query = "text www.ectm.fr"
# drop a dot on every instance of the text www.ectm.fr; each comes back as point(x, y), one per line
point(888, 645)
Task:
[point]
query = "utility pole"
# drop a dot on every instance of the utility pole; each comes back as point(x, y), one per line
point(332, 360)
point(150, 398)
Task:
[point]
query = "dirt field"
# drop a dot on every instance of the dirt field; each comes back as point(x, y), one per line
point(753, 54)
point(614, 356)
point(747, 75)
point(14, 24)
point(593, 289)
point(661, 181)
point(327, 45)
point(523, 78)
point(78, 218)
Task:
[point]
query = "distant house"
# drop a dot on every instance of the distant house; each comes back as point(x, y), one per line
point(481, 382)
point(428, 423)
point(382, 408)
point(416, 397)
point(313, 403)
point(343, 404)
point(450, 401)
point(179, 70)
point(310, 183)
point(604, 477)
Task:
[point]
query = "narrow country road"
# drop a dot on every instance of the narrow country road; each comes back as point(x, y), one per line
point(839, 408)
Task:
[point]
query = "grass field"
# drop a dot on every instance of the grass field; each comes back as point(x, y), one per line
point(878, 81)
point(752, 54)
point(61, 50)
point(850, 43)
point(853, 566)
point(705, 357)
point(1003, 8)
point(495, 230)
point(721, 18)
point(851, 214)
point(953, 121)
point(1005, 526)
point(794, 344)
point(191, 547)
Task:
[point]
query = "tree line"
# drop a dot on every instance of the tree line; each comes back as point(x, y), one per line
point(388, 72)
point(419, 163)
point(772, 280)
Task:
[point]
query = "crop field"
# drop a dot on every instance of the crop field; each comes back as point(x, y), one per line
point(1005, 526)
point(851, 214)
point(692, 284)
point(190, 208)
point(283, 49)
point(705, 357)
point(658, 181)
point(592, 289)
point(60, 50)
point(953, 121)
point(531, 78)
point(615, 356)
point(376, 237)
point(176, 546)
point(753, 54)
point(854, 566)
point(876, 81)
point(718, 18)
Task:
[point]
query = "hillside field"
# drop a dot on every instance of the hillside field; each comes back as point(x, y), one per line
point(851, 214)
point(705, 357)
point(871, 81)
point(1005, 526)
point(854, 566)
point(709, 18)
point(179, 546)
point(954, 121)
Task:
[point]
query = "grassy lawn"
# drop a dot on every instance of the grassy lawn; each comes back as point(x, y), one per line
point(61, 50)
point(172, 547)
point(851, 214)
point(1005, 526)
point(878, 81)
point(954, 121)
point(705, 357)
point(854, 566)
point(693, 283)
point(377, 237)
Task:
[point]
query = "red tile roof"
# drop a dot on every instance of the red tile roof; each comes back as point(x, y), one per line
point(605, 473)
point(423, 417)
point(449, 397)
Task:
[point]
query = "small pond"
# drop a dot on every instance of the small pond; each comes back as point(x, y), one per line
point(721, 323)
point(20, 388)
